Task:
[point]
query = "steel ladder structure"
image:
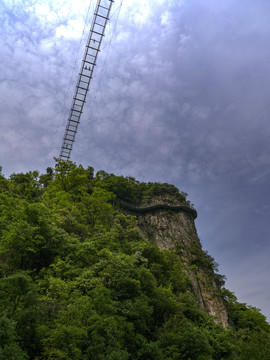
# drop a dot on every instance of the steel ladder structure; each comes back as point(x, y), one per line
point(97, 30)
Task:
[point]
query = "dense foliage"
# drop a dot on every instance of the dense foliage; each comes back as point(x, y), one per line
point(79, 282)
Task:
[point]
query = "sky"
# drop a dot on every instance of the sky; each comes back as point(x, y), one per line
point(180, 94)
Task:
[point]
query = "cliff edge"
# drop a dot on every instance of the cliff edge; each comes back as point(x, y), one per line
point(169, 223)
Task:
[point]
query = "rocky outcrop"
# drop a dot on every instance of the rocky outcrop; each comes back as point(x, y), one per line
point(157, 204)
point(170, 225)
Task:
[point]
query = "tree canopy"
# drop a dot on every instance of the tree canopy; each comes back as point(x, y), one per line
point(78, 280)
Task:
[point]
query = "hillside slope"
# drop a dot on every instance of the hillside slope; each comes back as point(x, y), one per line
point(105, 267)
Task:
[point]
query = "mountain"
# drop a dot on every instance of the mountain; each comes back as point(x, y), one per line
point(106, 267)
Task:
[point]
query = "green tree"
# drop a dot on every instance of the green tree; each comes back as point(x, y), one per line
point(78, 280)
point(22, 314)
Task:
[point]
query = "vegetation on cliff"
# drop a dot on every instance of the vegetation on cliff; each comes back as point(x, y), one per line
point(78, 280)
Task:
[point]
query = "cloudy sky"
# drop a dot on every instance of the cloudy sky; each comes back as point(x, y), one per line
point(180, 95)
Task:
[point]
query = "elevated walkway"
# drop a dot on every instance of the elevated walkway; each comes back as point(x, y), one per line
point(97, 30)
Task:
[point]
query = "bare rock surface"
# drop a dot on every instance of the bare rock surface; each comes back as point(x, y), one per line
point(170, 225)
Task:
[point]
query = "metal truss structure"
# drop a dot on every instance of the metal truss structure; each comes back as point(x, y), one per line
point(97, 30)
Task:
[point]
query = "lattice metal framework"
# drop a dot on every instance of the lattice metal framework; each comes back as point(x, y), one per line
point(97, 30)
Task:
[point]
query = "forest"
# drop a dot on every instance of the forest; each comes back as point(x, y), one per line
point(79, 281)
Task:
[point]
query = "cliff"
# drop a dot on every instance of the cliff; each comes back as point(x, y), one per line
point(169, 224)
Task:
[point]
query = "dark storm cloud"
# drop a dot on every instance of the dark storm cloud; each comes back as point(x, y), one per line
point(192, 90)
point(181, 97)
point(185, 84)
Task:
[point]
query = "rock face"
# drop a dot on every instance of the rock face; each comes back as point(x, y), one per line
point(169, 224)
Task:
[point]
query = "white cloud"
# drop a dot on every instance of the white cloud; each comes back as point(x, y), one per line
point(122, 36)
point(43, 11)
point(46, 45)
point(72, 30)
point(166, 18)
